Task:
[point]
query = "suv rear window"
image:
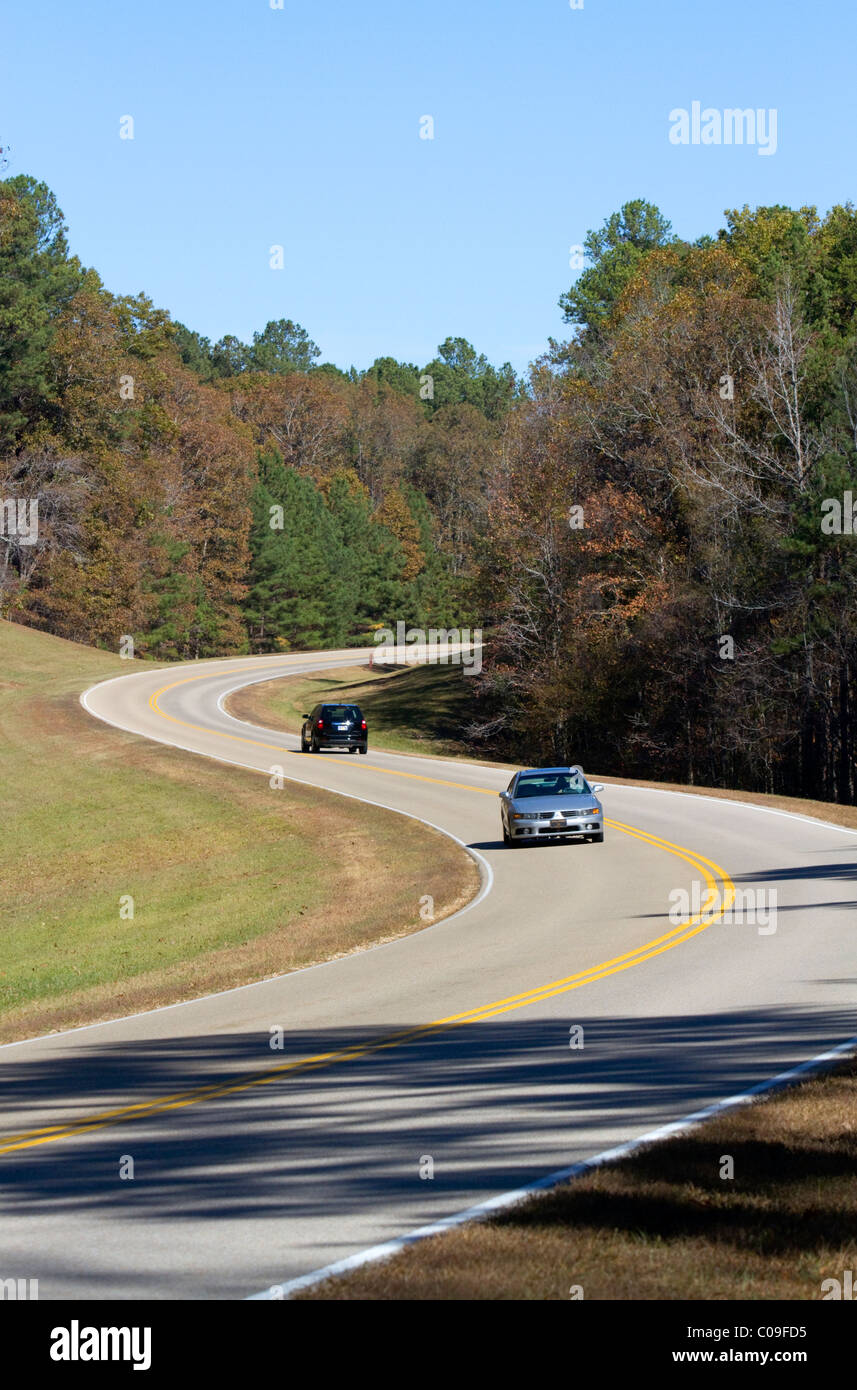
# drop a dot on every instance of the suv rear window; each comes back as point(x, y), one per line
point(340, 714)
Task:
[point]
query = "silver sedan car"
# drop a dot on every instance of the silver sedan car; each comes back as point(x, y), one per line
point(551, 803)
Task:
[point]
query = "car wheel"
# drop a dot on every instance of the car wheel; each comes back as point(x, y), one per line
point(304, 745)
point(352, 749)
point(597, 839)
point(365, 750)
point(507, 839)
point(313, 748)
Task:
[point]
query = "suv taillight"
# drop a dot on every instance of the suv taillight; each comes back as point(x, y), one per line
point(363, 725)
point(320, 724)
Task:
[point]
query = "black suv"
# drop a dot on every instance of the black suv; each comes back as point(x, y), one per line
point(335, 726)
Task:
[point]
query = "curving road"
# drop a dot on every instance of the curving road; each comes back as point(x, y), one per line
point(254, 1166)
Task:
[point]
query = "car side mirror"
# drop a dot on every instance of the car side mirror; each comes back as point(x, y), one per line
point(598, 786)
point(304, 716)
point(503, 795)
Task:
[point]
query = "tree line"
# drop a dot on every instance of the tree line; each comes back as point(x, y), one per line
point(670, 592)
point(206, 499)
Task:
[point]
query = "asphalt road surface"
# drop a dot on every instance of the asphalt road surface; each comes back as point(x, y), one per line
point(253, 1166)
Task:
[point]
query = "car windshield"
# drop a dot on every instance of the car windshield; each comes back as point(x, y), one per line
point(551, 784)
point(340, 712)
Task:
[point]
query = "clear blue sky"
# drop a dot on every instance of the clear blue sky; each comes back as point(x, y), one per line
point(300, 126)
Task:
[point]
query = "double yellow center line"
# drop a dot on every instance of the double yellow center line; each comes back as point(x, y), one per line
point(716, 903)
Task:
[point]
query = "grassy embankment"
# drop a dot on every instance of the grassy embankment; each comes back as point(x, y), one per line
point(226, 888)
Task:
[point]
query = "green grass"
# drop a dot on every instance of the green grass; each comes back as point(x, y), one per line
point(220, 868)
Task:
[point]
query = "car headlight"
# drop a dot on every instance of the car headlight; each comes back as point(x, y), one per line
point(523, 815)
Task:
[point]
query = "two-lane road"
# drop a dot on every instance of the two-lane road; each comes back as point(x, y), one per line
point(253, 1166)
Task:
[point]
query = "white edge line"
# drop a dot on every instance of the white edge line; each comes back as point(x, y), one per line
point(460, 762)
point(503, 1200)
point(486, 874)
point(432, 762)
point(724, 801)
point(261, 680)
point(437, 762)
